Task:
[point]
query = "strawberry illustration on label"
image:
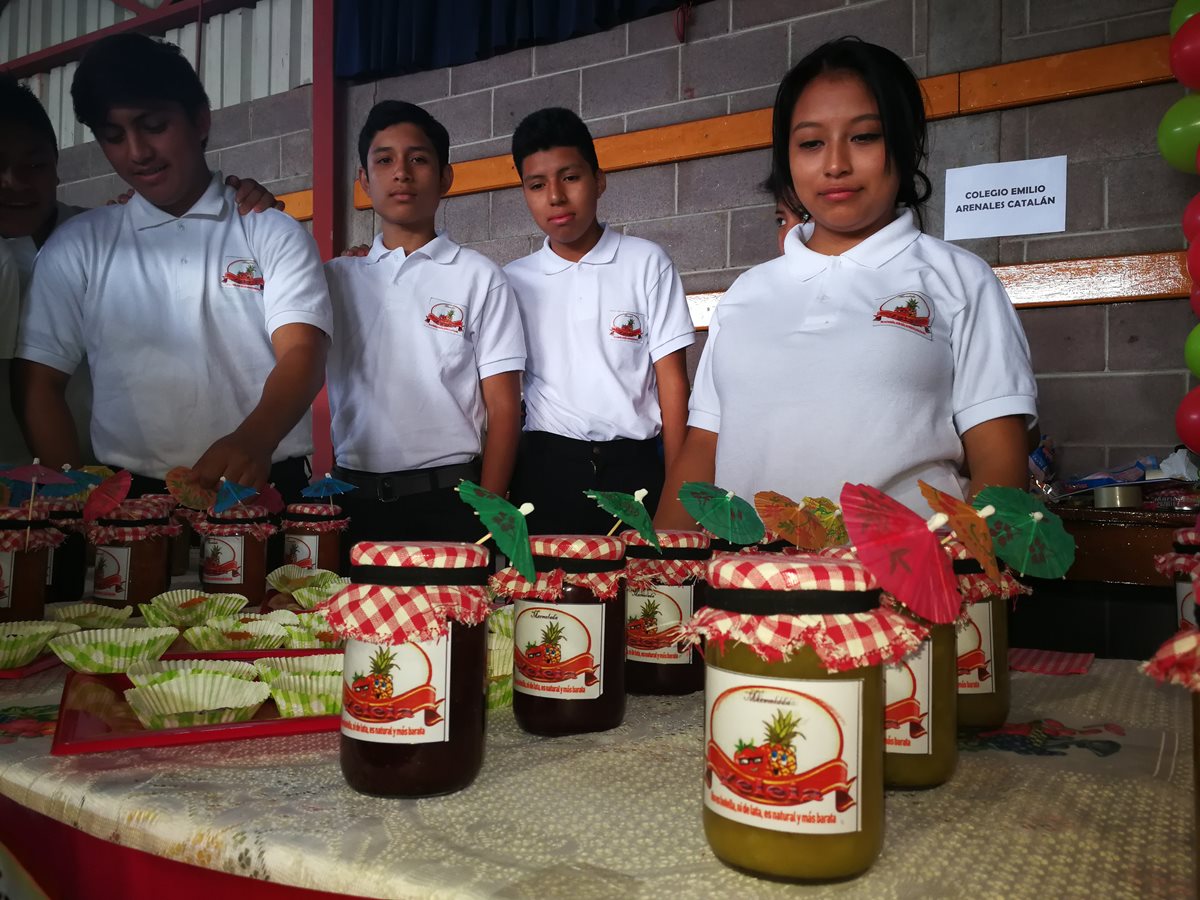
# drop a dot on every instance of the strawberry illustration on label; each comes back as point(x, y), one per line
point(627, 326)
point(446, 317)
point(243, 273)
point(644, 630)
point(543, 660)
point(372, 697)
point(911, 311)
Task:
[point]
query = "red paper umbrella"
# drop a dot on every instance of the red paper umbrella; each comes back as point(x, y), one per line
point(182, 485)
point(792, 521)
point(271, 499)
point(901, 551)
point(36, 473)
point(107, 495)
point(968, 524)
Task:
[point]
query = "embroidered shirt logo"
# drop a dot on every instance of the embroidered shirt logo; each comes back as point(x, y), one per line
point(626, 326)
point(244, 274)
point(446, 317)
point(911, 311)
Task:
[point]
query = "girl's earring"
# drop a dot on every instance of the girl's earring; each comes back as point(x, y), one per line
point(805, 215)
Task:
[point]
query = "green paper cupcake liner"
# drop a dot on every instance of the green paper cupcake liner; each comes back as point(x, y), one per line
point(91, 615)
point(313, 621)
point(108, 651)
point(271, 668)
point(202, 698)
point(308, 695)
point(311, 639)
point(278, 616)
point(184, 609)
point(499, 692)
point(289, 579)
point(259, 635)
point(23, 642)
point(158, 671)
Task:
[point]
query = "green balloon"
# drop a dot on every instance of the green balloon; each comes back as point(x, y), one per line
point(1179, 133)
point(1183, 11)
point(1191, 351)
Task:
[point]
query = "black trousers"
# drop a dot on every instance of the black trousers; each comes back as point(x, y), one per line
point(290, 477)
point(554, 471)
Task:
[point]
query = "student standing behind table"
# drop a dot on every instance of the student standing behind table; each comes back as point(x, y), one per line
point(205, 331)
point(606, 324)
point(29, 212)
point(891, 356)
point(425, 375)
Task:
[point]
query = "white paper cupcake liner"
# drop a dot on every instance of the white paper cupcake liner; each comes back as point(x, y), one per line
point(203, 698)
point(271, 668)
point(156, 671)
point(23, 642)
point(107, 651)
point(288, 579)
point(90, 615)
point(261, 635)
point(310, 639)
point(279, 616)
point(184, 609)
point(308, 695)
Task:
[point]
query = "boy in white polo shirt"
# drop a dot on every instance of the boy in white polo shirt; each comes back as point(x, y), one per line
point(424, 379)
point(205, 331)
point(606, 324)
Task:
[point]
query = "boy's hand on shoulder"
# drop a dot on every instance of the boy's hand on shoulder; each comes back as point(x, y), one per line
point(252, 196)
point(357, 250)
point(237, 458)
point(121, 199)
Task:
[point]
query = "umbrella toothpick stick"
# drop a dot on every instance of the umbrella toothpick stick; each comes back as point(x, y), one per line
point(613, 530)
point(524, 509)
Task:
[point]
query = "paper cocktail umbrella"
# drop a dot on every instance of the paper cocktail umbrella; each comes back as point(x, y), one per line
point(968, 524)
point(722, 512)
point(792, 521)
point(830, 516)
point(230, 494)
point(78, 483)
point(505, 524)
point(628, 508)
point(328, 487)
point(107, 496)
point(1025, 534)
point(271, 499)
point(187, 491)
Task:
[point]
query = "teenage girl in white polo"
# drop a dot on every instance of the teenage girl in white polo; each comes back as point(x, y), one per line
point(869, 351)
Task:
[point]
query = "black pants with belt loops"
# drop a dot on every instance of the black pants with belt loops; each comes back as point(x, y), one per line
point(554, 471)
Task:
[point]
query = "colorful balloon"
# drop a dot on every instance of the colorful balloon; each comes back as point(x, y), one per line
point(1191, 220)
point(1193, 262)
point(1191, 351)
point(1179, 133)
point(1183, 11)
point(1187, 420)
point(1185, 53)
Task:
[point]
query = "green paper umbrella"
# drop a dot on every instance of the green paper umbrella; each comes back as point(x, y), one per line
point(505, 524)
point(722, 512)
point(628, 508)
point(1026, 535)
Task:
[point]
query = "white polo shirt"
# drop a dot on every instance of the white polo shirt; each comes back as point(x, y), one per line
point(175, 316)
point(864, 367)
point(416, 334)
point(594, 330)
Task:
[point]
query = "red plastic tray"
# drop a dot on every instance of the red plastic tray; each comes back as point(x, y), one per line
point(93, 716)
point(41, 664)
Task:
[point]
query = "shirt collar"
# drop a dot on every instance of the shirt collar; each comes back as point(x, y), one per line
point(441, 250)
point(872, 253)
point(211, 205)
point(604, 252)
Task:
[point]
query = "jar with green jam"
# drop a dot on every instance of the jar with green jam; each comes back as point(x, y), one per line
point(1181, 565)
point(568, 635)
point(793, 785)
point(660, 587)
point(414, 682)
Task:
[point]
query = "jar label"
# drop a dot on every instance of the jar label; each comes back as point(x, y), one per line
point(301, 550)
point(558, 649)
point(1185, 601)
point(111, 579)
point(654, 618)
point(975, 652)
point(907, 688)
point(783, 753)
point(6, 575)
point(222, 560)
point(397, 694)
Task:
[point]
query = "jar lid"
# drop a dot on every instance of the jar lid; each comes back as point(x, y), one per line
point(135, 511)
point(674, 544)
point(839, 552)
point(1186, 537)
point(763, 584)
point(578, 553)
point(165, 502)
point(319, 512)
point(17, 518)
point(241, 513)
point(401, 563)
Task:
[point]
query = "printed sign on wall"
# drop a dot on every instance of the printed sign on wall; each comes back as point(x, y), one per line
point(1008, 198)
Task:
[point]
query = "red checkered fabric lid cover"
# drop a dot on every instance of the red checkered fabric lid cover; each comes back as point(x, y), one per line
point(577, 546)
point(327, 510)
point(838, 552)
point(66, 514)
point(241, 511)
point(1173, 563)
point(165, 502)
point(39, 535)
point(327, 518)
point(422, 554)
point(104, 531)
point(976, 586)
point(1178, 660)
point(675, 540)
point(641, 573)
point(954, 548)
point(1187, 537)
point(777, 572)
point(510, 584)
point(237, 520)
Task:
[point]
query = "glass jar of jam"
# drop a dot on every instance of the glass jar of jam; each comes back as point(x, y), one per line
point(67, 565)
point(569, 635)
point(920, 717)
point(984, 692)
point(26, 539)
point(794, 713)
point(312, 535)
point(181, 544)
point(233, 551)
point(1182, 563)
point(659, 594)
point(415, 682)
point(132, 553)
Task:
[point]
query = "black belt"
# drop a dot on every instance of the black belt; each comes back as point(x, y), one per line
point(389, 487)
point(596, 451)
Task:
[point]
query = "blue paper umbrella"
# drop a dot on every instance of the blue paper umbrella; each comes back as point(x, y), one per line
point(80, 482)
point(230, 493)
point(328, 487)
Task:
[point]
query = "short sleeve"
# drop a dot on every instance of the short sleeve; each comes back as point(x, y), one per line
point(671, 326)
point(51, 331)
point(294, 287)
point(498, 336)
point(704, 407)
point(993, 375)
point(10, 302)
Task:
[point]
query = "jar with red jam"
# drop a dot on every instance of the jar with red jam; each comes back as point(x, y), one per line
point(132, 553)
point(660, 588)
point(1181, 566)
point(233, 551)
point(793, 726)
point(312, 535)
point(414, 685)
point(181, 544)
point(67, 565)
point(568, 635)
point(26, 539)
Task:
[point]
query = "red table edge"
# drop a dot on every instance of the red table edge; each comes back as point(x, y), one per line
point(68, 863)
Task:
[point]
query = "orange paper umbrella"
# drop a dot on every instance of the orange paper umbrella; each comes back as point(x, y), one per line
point(830, 517)
point(182, 485)
point(792, 521)
point(107, 495)
point(968, 524)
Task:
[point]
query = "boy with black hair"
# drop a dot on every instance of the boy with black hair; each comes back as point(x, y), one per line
point(424, 379)
point(606, 326)
point(205, 332)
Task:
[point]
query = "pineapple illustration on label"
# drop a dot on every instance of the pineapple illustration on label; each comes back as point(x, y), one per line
point(222, 560)
point(783, 754)
point(6, 567)
point(907, 697)
point(300, 550)
point(975, 652)
point(654, 620)
point(111, 580)
point(557, 648)
point(397, 694)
